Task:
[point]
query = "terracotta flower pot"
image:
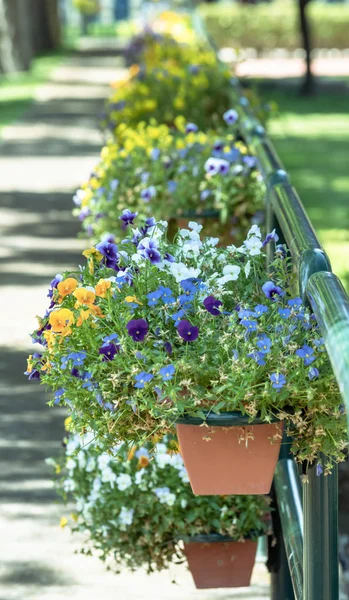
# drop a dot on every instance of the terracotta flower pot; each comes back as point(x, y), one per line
point(220, 564)
point(226, 459)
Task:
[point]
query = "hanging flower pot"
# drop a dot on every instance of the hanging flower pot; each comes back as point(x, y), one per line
point(218, 562)
point(227, 455)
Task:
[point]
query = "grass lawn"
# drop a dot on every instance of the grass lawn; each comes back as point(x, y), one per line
point(17, 91)
point(312, 138)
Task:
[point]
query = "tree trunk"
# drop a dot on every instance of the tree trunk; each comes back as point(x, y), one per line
point(46, 27)
point(15, 36)
point(308, 83)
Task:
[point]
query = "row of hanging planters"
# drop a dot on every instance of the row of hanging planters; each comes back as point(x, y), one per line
point(173, 330)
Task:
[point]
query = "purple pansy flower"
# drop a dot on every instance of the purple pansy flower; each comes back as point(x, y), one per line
point(273, 236)
point(127, 217)
point(168, 348)
point(271, 290)
point(148, 193)
point(137, 329)
point(212, 305)
point(191, 128)
point(110, 253)
point(230, 116)
point(187, 331)
point(148, 248)
point(108, 351)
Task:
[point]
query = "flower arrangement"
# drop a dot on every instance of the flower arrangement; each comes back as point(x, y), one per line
point(136, 505)
point(193, 83)
point(150, 331)
point(154, 170)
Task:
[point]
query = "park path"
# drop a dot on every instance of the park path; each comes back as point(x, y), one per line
point(43, 159)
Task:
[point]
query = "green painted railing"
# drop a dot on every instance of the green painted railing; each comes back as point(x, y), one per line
point(304, 561)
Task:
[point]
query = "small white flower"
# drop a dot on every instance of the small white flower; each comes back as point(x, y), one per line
point(79, 504)
point(97, 484)
point(255, 230)
point(91, 464)
point(184, 503)
point(123, 481)
point(81, 459)
point(253, 245)
point(247, 268)
point(195, 226)
point(125, 518)
point(230, 273)
point(69, 485)
point(139, 477)
point(72, 445)
point(70, 464)
point(183, 475)
point(180, 271)
point(211, 241)
point(103, 461)
point(162, 460)
point(108, 476)
point(137, 258)
point(177, 462)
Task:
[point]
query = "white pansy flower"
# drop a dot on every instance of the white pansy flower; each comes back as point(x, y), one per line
point(161, 448)
point(80, 504)
point(91, 464)
point(139, 477)
point(247, 268)
point(177, 461)
point(230, 273)
point(137, 258)
point(253, 245)
point(183, 475)
point(72, 445)
point(254, 230)
point(70, 464)
point(97, 484)
point(180, 271)
point(81, 459)
point(211, 241)
point(184, 503)
point(123, 481)
point(69, 485)
point(162, 460)
point(193, 247)
point(108, 476)
point(195, 226)
point(165, 496)
point(125, 518)
point(103, 461)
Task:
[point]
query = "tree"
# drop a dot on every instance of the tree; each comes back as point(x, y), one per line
point(308, 83)
point(27, 27)
point(15, 36)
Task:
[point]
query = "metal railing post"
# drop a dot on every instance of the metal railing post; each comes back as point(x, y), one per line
point(320, 557)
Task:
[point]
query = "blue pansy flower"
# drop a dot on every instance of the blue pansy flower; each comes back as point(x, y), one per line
point(110, 338)
point(142, 452)
point(258, 357)
point(58, 395)
point(313, 373)
point(260, 309)
point(250, 325)
point(142, 378)
point(264, 344)
point(295, 302)
point(278, 380)
point(167, 372)
point(284, 312)
point(167, 295)
point(171, 186)
point(177, 316)
point(307, 353)
point(77, 358)
point(153, 297)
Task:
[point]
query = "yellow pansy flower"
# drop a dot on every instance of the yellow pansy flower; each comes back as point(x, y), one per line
point(97, 311)
point(67, 286)
point(133, 299)
point(131, 453)
point(60, 319)
point(67, 423)
point(143, 462)
point(102, 287)
point(84, 314)
point(63, 522)
point(84, 296)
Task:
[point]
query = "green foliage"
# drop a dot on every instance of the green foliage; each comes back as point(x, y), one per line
point(275, 25)
point(135, 506)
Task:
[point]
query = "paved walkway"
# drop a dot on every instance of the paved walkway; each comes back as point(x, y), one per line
point(42, 160)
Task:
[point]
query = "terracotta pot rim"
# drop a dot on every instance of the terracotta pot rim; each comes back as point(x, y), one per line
point(225, 419)
point(211, 538)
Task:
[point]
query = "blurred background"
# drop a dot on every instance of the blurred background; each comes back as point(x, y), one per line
point(57, 60)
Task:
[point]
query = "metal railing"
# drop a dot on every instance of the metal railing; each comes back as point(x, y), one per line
point(304, 560)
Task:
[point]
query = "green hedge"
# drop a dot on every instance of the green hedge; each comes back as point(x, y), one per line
point(267, 26)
